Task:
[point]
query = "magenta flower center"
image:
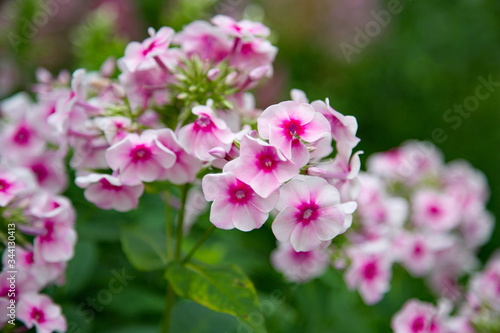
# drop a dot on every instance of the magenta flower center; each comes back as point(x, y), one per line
point(22, 136)
point(292, 128)
point(307, 212)
point(418, 324)
point(49, 231)
point(418, 249)
point(4, 185)
point(370, 270)
point(40, 171)
point(434, 210)
point(149, 49)
point(204, 124)
point(266, 161)
point(240, 193)
point(30, 259)
point(108, 186)
point(37, 315)
point(140, 153)
point(302, 256)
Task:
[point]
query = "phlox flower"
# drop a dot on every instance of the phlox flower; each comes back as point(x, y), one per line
point(310, 213)
point(410, 163)
point(115, 129)
point(141, 55)
point(262, 166)
point(139, 158)
point(467, 185)
point(186, 166)
point(417, 251)
point(14, 182)
point(108, 192)
point(343, 128)
point(20, 140)
point(32, 271)
point(289, 125)
point(40, 311)
point(376, 208)
point(417, 317)
point(370, 270)
point(57, 240)
point(255, 54)
point(434, 210)
point(144, 87)
point(485, 286)
point(204, 40)
point(476, 227)
point(205, 133)
point(49, 170)
point(243, 28)
point(235, 203)
point(299, 266)
point(342, 172)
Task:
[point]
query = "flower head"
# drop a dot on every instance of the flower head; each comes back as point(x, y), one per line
point(310, 213)
point(262, 166)
point(139, 158)
point(290, 125)
point(235, 203)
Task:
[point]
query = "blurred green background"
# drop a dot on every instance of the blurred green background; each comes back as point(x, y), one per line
point(399, 86)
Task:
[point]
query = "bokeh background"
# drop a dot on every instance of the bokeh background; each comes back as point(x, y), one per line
point(399, 85)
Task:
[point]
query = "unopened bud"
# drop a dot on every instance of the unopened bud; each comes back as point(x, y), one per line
point(231, 78)
point(108, 67)
point(253, 134)
point(217, 152)
point(314, 171)
point(259, 73)
point(213, 74)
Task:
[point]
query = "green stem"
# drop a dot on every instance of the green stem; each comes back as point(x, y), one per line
point(180, 222)
point(168, 225)
point(169, 305)
point(198, 244)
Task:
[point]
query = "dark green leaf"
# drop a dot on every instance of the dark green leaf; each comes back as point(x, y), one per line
point(145, 249)
point(222, 289)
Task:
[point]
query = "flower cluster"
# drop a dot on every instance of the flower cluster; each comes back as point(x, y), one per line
point(37, 221)
point(479, 311)
point(294, 172)
point(414, 210)
point(178, 96)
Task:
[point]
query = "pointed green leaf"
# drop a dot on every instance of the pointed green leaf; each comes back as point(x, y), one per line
point(145, 249)
point(222, 289)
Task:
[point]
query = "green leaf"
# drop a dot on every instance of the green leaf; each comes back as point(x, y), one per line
point(222, 289)
point(81, 268)
point(145, 249)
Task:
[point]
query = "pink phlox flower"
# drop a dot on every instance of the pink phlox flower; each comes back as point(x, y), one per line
point(299, 267)
point(241, 29)
point(205, 133)
point(139, 158)
point(186, 166)
point(310, 213)
point(37, 310)
point(235, 203)
point(262, 166)
point(202, 39)
point(290, 126)
point(141, 55)
point(108, 192)
point(115, 129)
point(15, 182)
point(370, 270)
point(434, 210)
point(417, 317)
